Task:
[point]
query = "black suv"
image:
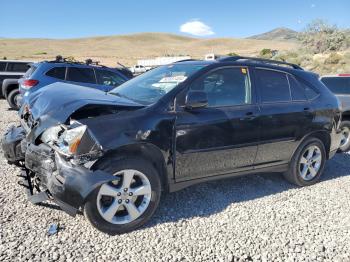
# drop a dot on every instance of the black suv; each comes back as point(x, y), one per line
point(10, 72)
point(172, 127)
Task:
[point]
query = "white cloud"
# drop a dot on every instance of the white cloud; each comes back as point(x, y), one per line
point(197, 28)
point(313, 5)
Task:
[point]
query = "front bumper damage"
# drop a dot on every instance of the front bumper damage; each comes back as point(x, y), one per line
point(12, 143)
point(52, 175)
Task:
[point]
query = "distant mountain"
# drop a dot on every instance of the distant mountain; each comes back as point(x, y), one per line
point(279, 34)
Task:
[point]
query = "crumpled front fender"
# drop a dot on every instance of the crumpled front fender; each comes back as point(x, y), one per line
point(71, 185)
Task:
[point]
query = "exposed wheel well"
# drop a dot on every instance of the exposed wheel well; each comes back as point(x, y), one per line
point(146, 151)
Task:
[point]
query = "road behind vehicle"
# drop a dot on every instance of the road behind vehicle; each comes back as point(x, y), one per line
point(10, 72)
point(340, 86)
point(87, 74)
point(177, 125)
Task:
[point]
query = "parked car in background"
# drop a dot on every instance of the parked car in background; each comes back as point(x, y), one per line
point(10, 72)
point(87, 74)
point(340, 86)
point(177, 125)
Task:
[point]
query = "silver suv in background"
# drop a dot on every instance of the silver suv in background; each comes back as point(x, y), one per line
point(340, 86)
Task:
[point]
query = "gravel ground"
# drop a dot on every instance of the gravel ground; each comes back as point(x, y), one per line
point(252, 218)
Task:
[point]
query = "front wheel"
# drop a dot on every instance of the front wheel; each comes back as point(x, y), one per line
point(307, 164)
point(122, 206)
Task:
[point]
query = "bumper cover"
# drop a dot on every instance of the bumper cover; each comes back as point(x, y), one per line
point(12, 144)
point(69, 185)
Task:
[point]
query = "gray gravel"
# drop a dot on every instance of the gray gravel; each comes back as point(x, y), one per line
point(252, 218)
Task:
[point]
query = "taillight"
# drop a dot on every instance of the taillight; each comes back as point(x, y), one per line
point(28, 83)
point(343, 74)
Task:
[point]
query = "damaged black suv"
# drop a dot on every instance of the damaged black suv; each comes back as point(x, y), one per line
point(113, 154)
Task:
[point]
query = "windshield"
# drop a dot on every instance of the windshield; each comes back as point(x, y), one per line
point(338, 85)
point(149, 87)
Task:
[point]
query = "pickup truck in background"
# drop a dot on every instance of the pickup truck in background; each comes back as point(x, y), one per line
point(340, 86)
point(10, 72)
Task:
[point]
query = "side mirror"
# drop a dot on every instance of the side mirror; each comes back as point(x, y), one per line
point(196, 99)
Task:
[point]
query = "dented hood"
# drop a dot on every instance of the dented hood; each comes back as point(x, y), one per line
point(59, 100)
point(55, 103)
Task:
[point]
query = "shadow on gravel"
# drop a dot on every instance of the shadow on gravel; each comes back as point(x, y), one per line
point(212, 197)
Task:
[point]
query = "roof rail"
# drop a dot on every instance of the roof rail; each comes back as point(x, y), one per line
point(256, 59)
point(185, 60)
point(69, 60)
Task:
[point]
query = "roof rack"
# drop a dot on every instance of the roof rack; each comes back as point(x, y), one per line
point(69, 60)
point(256, 59)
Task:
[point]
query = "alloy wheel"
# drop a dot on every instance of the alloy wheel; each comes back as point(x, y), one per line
point(124, 201)
point(310, 162)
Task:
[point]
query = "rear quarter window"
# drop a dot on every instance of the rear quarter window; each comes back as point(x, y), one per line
point(296, 90)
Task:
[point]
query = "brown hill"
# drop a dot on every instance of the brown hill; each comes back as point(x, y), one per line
point(128, 48)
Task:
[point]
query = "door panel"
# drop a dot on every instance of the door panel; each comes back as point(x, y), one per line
point(212, 141)
point(282, 125)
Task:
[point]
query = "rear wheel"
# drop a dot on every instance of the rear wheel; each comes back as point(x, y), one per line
point(307, 164)
point(121, 206)
point(345, 136)
point(12, 99)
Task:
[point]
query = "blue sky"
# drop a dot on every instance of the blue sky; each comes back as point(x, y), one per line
point(83, 18)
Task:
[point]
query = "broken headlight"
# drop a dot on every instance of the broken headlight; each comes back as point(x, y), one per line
point(71, 140)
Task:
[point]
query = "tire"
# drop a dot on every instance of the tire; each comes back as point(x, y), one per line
point(11, 99)
point(345, 142)
point(297, 167)
point(96, 202)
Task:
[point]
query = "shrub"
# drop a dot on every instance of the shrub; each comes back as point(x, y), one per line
point(320, 36)
point(333, 58)
point(40, 53)
point(232, 54)
point(266, 52)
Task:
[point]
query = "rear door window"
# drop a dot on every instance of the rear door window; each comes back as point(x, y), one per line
point(274, 86)
point(2, 66)
point(108, 78)
point(82, 75)
point(338, 85)
point(17, 67)
point(57, 72)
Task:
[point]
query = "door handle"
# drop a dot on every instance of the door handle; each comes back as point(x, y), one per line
point(248, 116)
